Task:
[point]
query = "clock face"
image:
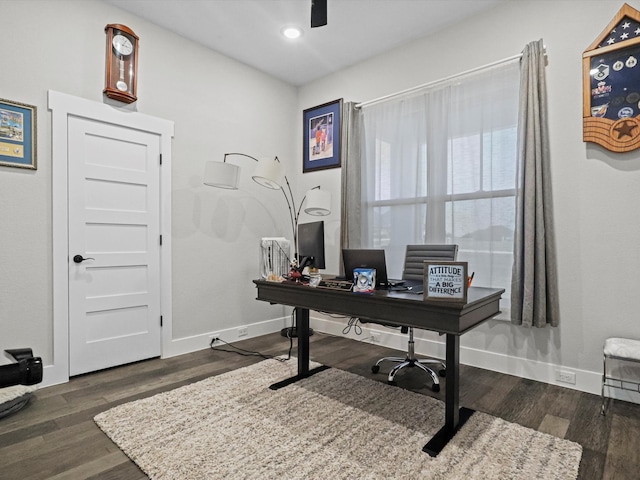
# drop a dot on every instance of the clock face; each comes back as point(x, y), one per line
point(122, 45)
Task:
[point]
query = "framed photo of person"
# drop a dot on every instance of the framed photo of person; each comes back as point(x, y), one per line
point(321, 142)
point(17, 135)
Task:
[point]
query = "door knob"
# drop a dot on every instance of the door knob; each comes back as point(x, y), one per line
point(80, 259)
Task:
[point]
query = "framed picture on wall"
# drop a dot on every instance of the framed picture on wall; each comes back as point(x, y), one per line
point(610, 78)
point(321, 140)
point(17, 135)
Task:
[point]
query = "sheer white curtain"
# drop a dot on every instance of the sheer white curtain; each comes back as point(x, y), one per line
point(438, 166)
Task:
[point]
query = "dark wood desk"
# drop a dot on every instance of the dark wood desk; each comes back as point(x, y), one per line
point(393, 308)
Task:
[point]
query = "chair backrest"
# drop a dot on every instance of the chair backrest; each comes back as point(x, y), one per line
point(417, 254)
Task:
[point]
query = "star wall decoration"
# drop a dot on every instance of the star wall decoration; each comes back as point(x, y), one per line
point(625, 129)
point(626, 29)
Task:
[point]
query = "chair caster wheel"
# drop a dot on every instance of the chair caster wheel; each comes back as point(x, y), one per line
point(442, 373)
point(375, 368)
point(392, 382)
point(436, 387)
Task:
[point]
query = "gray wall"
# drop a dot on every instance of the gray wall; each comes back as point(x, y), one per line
point(596, 192)
point(218, 105)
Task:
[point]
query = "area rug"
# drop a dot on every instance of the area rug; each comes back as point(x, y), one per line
point(333, 425)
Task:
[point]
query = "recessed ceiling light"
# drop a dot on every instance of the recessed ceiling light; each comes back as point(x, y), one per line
point(291, 32)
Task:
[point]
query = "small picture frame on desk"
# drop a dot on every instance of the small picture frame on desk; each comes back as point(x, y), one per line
point(364, 280)
point(445, 281)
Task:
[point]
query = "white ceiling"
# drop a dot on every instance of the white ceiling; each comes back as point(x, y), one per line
point(250, 30)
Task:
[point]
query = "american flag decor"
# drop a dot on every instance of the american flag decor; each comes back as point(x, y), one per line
point(626, 29)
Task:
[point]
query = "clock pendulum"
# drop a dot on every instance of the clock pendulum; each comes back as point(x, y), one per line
point(121, 84)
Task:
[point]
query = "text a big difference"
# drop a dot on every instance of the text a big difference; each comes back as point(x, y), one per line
point(446, 280)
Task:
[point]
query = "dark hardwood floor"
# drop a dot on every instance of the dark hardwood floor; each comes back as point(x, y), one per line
point(55, 437)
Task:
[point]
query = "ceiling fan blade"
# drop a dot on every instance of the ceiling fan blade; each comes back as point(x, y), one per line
point(318, 13)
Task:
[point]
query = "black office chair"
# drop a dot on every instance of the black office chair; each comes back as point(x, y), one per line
point(414, 270)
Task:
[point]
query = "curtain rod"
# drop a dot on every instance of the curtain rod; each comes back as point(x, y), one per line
point(442, 80)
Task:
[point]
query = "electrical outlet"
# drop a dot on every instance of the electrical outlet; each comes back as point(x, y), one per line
point(566, 376)
point(213, 337)
point(243, 332)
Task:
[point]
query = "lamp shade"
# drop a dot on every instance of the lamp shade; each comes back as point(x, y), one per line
point(318, 202)
point(221, 175)
point(269, 174)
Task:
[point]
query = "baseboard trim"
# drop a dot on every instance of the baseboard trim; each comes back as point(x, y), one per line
point(53, 375)
point(586, 381)
point(180, 346)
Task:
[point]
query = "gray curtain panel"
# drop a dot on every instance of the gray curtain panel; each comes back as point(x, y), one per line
point(534, 283)
point(350, 232)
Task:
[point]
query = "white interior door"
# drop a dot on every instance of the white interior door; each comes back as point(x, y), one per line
point(114, 225)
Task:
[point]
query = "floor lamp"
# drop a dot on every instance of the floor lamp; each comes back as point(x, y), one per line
point(270, 174)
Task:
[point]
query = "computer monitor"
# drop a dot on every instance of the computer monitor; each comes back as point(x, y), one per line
point(311, 244)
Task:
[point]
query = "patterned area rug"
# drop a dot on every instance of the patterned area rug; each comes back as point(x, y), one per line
point(332, 425)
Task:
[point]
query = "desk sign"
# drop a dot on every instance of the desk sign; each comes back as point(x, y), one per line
point(445, 281)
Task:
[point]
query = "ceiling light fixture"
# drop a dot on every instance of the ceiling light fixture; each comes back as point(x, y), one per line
point(291, 32)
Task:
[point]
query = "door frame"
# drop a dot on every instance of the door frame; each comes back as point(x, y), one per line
point(63, 106)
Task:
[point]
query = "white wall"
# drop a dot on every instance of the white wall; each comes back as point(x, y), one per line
point(218, 105)
point(596, 193)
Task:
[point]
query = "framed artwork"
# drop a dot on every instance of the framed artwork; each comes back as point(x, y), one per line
point(611, 84)
point(445, 281)
point(321, 142)
point(17, 135)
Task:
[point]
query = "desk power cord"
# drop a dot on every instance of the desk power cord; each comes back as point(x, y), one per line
point(248, 353)
point(352, 323)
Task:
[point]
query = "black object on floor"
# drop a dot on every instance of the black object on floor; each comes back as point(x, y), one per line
point(292, 332)
point(26, 371)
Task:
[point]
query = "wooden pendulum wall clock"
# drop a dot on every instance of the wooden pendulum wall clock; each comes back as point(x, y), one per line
point(122, 63)
point(611, 84)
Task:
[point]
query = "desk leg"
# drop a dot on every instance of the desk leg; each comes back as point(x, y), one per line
point(454, 416)
point(302, 326)
point(452, 393)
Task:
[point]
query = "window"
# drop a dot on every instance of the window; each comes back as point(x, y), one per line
point(439, 166)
